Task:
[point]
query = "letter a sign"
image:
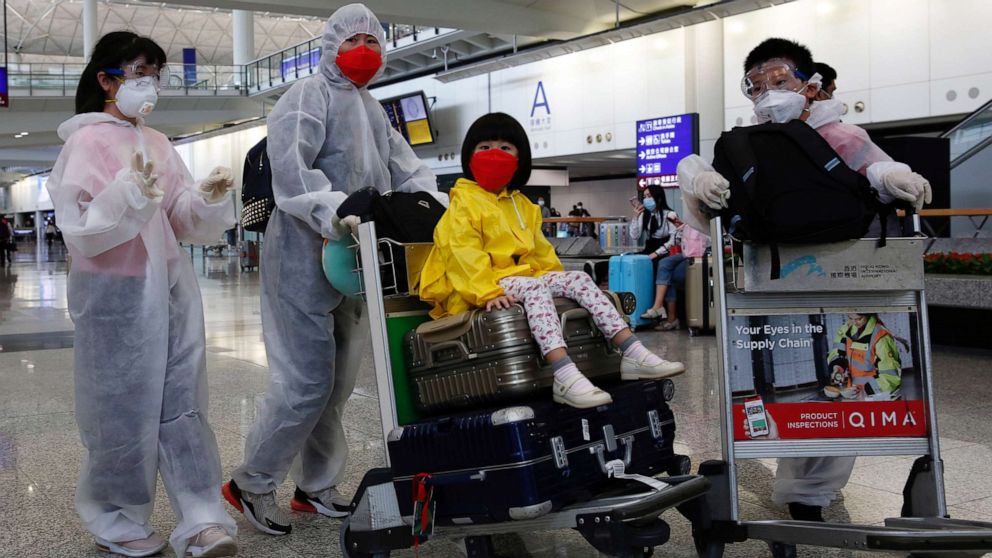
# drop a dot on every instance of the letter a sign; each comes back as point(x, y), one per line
point(540, 100)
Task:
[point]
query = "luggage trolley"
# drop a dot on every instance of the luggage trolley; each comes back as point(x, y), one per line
point(794, 321)
point(623, 522)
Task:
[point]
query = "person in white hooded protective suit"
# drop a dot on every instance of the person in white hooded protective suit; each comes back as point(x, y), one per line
point(124, 199)
point(328, 137)
point(780, 80)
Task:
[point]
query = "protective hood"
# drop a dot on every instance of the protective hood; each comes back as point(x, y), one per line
point(343, 24)
point(74, 124)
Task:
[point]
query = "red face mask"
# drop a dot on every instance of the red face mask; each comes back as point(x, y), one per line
point(359, 64)
point(493, 168)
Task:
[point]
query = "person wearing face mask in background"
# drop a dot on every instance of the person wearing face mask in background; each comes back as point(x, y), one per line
point(124, 200)
point(489, 253)
point(328, 137)
point(654, 225)
point(829, 83)
point(781, 81)
point(548, 229)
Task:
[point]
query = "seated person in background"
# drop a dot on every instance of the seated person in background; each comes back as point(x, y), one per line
point(653, 225)
point(781, 80)
point(489, 253)
point(671, 271)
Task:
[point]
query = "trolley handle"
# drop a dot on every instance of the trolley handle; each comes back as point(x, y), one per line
point(438, 347)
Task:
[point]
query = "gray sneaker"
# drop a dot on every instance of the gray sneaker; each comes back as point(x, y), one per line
point(212, 542)
point(260, 510)
point(328, 502)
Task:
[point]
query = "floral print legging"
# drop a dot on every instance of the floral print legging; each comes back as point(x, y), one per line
point(537, 294)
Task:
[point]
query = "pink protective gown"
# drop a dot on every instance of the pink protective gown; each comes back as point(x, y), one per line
point(140, 366)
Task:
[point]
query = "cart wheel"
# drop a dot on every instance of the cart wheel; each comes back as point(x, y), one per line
point(680, 465)
point(782, 550)
point(708, 549)
point(347, 549)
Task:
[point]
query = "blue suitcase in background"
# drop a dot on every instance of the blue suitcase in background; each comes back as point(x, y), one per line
point(523, 462)
point(634, 273)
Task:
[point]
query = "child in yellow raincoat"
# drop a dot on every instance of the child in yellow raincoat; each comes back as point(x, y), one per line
point(489, 252)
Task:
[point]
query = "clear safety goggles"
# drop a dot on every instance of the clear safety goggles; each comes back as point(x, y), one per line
point(139, 70)
point(774, 76)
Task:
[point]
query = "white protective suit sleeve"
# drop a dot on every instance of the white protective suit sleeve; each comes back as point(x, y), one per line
point(688, 169)
point(193, 219)
point(92, 223)
point(297, 131)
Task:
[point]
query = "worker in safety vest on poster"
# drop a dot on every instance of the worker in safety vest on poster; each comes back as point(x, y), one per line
point(866, 364)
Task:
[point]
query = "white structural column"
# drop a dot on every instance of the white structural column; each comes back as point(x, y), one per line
point(89, 28)
point(704, 81)
point(244, 36)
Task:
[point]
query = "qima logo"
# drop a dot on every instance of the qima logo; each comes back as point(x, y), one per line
point(540, 110)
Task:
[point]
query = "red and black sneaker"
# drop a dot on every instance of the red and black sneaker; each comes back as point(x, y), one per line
point(260, 510)
point(327, 502)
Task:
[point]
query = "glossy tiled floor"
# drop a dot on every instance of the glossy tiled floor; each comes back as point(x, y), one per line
point(40, 450)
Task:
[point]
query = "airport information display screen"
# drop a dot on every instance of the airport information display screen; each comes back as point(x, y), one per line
point(663, 142)
point(408, 115)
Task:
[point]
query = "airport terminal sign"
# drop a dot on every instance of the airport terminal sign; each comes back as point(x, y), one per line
point(4, 97)
point(661, 144)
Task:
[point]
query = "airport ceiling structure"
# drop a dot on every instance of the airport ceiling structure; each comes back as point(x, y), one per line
point(550, 19)
point(51, 30)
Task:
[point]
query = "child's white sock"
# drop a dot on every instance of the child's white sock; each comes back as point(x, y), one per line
point(566, 371)
point(633, 349)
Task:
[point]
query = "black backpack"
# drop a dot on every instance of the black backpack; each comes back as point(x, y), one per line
point(257, 199)
point(399, 216)
point(788, 186)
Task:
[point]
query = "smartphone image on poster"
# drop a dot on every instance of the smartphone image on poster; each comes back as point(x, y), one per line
point(757, 421)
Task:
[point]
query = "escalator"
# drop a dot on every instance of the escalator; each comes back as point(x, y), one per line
point(971, 165)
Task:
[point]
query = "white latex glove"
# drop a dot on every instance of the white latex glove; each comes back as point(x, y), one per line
point(347, 226)
point(217, 184)
point(142, 174)
point(908, 186)
point(712, 189)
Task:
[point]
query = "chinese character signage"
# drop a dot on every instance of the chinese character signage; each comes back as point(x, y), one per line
point(4, 98)
point(661, 144)
point(826, 375)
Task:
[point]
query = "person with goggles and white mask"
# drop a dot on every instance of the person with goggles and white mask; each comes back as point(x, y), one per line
point(781, 82)
point(829, 77)
point(124, 200)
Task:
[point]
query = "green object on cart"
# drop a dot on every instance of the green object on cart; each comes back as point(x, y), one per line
point(397, 327)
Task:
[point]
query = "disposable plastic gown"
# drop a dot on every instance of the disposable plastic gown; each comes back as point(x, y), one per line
point(813, 481)
point(140, 364)
point(327, 139)
point(482, 238)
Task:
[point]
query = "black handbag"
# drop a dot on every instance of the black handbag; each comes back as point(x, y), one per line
point(257, 199)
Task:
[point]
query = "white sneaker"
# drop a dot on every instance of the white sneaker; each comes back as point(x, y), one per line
point(150, 546)
point(569, 394)
point(212, 542)
point(631, 369)
point(328, 502)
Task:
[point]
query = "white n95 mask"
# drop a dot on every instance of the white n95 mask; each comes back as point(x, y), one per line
point(779, 106)
point(137, 97)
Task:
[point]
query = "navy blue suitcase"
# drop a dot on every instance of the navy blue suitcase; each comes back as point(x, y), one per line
point(522, 462)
